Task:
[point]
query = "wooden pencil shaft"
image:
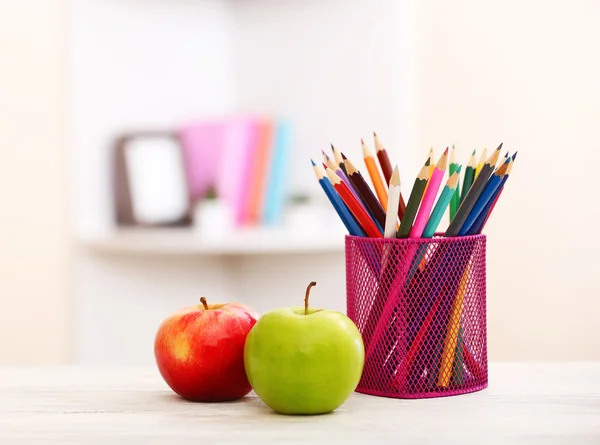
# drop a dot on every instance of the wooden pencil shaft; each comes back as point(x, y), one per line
point(437, 212)
point(343, 212)
point(368, 225)
point(392, 211)
point(366, 194)
point(380, 188)
point(467, 183)
point(386, 166)
point(485, 195)
point(414, 201)
point(469, 202)
point(479, 224)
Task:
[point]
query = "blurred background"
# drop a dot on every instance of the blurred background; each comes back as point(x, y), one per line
point(153, 152)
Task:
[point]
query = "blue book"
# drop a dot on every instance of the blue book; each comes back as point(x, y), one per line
point(276, 185)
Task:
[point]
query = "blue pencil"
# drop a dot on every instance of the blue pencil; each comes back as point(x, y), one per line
point(490, 188)
point(477, 226)
point(351, 224)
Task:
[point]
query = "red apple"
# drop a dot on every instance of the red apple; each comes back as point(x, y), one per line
point(199, 351)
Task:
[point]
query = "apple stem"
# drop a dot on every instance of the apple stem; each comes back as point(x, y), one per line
point(312, 283)
point(203, 301)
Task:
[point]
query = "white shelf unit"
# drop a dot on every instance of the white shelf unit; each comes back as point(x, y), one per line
point(189, 242)
point(337, 69)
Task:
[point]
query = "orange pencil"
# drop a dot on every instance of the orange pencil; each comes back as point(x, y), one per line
point(361, 215)
point(380, 189)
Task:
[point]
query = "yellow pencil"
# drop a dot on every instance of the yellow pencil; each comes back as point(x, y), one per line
point(452, 332)
point(431, 166)
point(482, 160)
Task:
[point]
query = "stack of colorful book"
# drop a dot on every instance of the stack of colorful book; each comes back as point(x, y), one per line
point(244, 159)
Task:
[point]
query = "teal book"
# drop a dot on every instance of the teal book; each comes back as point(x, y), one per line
point(277, 181)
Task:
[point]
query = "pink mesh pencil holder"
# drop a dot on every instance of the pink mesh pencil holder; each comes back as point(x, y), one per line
point(420, 305)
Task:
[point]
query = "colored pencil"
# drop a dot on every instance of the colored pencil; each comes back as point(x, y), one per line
point(383, 158)
point(442, 202)
point(452, 332)
point(430, 169)
point(380, 188)
point(480, 164)
point(384, 162)
point(490, 188)
point(434, 220)
point(343, 176)
point(338, 159)
point(468, 179)
point(428, 199)
point(455, 200)
point(344, 213)
point(404, 369)
point(391, 218)
point(473, 194)
point(365, 193)
point(414, 200)
point(361, 215)
point(485, 214)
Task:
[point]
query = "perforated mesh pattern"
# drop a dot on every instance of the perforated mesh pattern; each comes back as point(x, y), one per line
point(420, 306)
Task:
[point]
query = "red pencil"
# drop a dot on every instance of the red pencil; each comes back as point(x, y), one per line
point(361, 215)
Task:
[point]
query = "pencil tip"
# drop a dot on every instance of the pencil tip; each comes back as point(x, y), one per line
point(325, 165)
point(458, 169)
point(324, 154)
point(500, 146)
point(446, 151)
point(332, 147)
point(313, 163)
point(474, 151)
point(344, 156)
point(362, 142)
point(374, 134)
point(514, 155)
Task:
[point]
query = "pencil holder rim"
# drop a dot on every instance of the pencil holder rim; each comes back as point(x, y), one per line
point(437, 238)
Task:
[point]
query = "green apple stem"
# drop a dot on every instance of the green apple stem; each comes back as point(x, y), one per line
point(312, 283)
point(203, 301)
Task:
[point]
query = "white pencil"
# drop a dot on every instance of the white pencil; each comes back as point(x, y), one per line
point(391, 217)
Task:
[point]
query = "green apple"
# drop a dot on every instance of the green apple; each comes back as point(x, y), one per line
point(301, 360)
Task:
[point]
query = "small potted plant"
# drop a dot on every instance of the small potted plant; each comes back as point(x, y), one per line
point(212, 215)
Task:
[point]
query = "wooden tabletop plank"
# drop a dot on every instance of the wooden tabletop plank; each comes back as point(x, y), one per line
point(525, 404)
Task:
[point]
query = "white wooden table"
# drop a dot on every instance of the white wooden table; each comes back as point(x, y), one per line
point(524, 404)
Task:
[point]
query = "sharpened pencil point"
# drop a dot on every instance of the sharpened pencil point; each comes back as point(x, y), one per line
point(446, 151)
point(344, 156)
point(374, 134)
point(324, 154)
point(395, 179)
point(500, 146)
point(474, 151)
point(313, 162)
point(362, 141)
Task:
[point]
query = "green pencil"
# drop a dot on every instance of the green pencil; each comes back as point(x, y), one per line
point(469, 175)
point(455, 200)
point(413, 202)
point(441, 205)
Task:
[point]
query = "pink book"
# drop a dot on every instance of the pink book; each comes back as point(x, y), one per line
point(202, 144)
point(236, 164)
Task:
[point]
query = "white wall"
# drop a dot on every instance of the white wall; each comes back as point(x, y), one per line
point(340, 69)
point(261, 61)
point(139, 65)
point(34, 257)
point(525, 73)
